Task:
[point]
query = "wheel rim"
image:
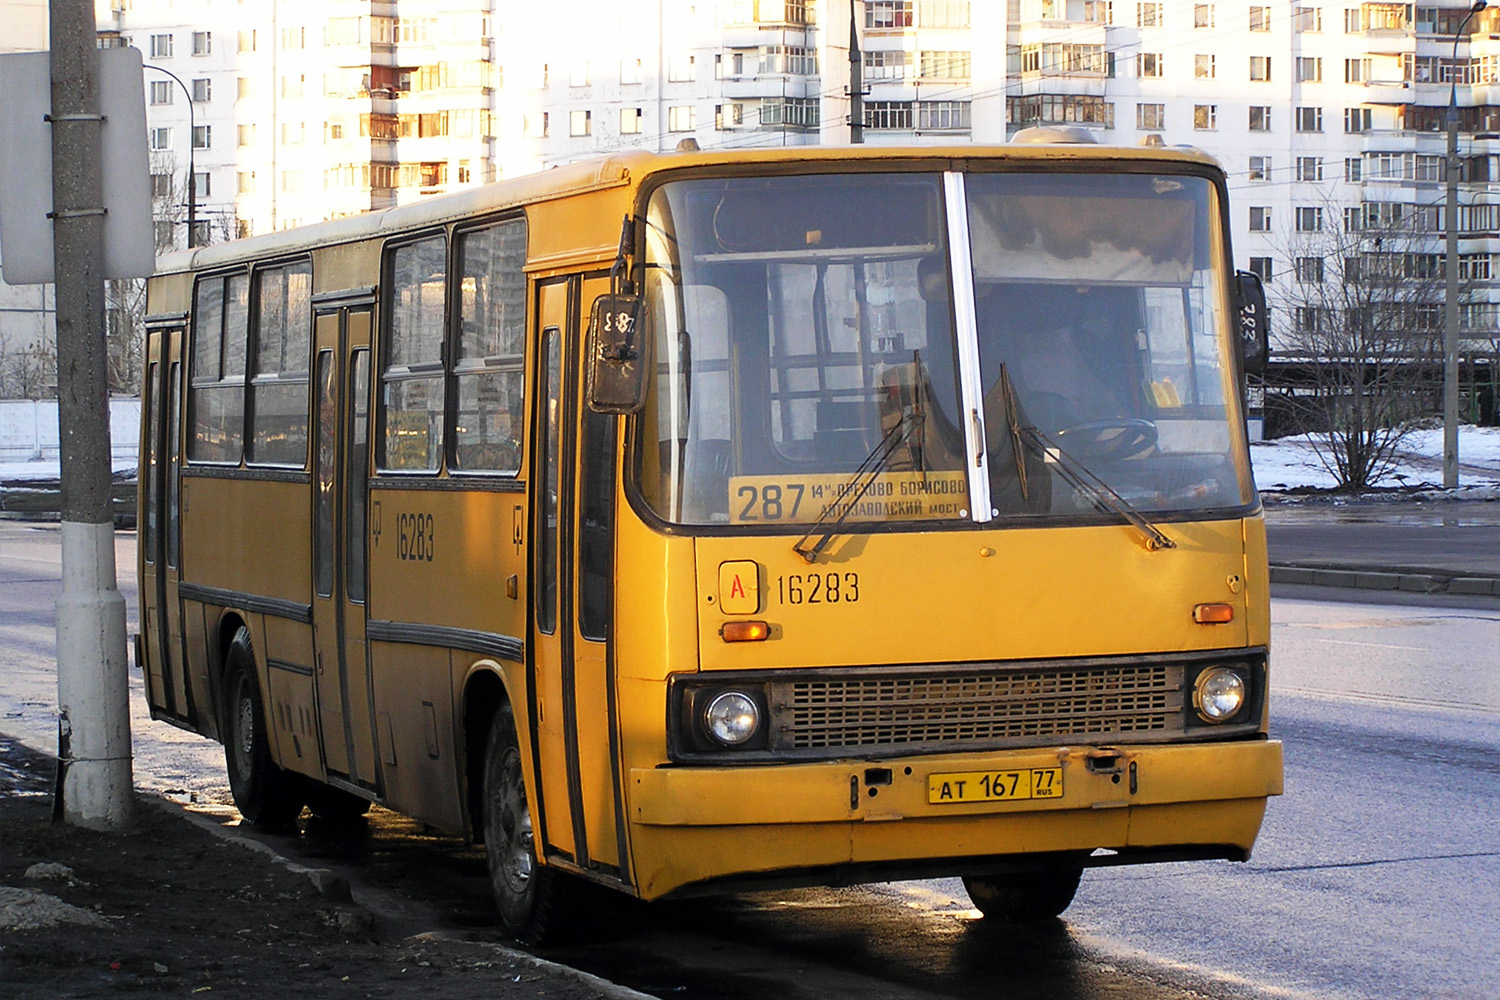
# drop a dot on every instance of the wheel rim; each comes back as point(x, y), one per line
point(513, 823)
point(244, 727)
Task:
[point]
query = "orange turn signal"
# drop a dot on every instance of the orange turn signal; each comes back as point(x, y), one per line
point(745, 631)
point(1213, 614)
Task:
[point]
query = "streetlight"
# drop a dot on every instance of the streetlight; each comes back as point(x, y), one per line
point(1450, 299)
point(192, 185)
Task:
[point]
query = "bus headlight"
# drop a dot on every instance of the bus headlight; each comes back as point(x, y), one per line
point(732, 718)
point(1219, 694)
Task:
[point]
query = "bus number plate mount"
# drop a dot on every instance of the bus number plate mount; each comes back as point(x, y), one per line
point(995, 786)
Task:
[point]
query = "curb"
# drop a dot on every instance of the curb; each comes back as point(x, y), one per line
point(380, 900)
point(1411, 583)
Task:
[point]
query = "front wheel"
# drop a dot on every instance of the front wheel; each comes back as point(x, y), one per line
point(264, 793)
point(1025, 897)
point(528, 895)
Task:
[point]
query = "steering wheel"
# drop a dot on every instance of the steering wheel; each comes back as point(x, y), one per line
point(1121, 437)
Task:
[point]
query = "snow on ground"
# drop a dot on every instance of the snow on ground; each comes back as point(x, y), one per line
point(1292, 463)
point(44, 469)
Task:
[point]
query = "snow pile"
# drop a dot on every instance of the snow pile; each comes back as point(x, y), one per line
point(1292, 463)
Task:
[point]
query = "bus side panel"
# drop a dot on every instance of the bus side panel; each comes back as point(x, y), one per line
point(250, 537)
point(440, 563)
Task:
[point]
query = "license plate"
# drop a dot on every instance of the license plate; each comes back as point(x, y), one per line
point(995, 786)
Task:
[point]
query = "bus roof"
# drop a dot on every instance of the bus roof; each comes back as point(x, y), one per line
point(621, 169)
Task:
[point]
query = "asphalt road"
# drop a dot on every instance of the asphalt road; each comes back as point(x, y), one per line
point(1377, 874)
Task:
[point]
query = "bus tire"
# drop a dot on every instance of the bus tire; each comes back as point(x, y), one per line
point(1025, 897)
point(528, 895)
point(265, 794)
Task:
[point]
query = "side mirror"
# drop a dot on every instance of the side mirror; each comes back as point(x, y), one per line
point(618, 355)
point(1253, 322)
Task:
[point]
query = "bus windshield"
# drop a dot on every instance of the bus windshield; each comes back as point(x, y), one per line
point(818, 354)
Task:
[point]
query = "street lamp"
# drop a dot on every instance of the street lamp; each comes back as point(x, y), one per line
point(192, 178)
point(1450, 299)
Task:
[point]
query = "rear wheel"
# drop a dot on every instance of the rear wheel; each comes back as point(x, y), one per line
point(528, 896)
point(1025, 897)
point(264, 793)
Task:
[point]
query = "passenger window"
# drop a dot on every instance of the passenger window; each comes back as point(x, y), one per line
point(278, 389)
point(412, 380)
point(489, 365)
point(217, 391)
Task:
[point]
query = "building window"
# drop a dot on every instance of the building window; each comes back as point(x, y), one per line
point(1307, 319)
point(1260, 219)
point(580, 122)
point(538, 125)
point(883, 64)
point(579, 77)
point(161, 46)
point(244, 182)
point(1260, 118)
point(1148, 15)
point(161, 185)
point(1260, 68)
point(630, 71)
point(244, 88)
point(729, 116)
point(202, 90)
point(1051, 109)
point(1151, 116)
point(161, 92)
point(1260, 168)
point(943, 115)
point(1203, 67)
point(203, 184)
point(801, 112)
point(247, 41)
point(161, 138)
point(1356, 70)
point(1260, 19)
point(1353, 169)
point(1148, 64)
point(1309, 168)
point(1205, 117)
point(1309, 119)
point(886, 14)
point(1203, 15)
point(1262, 267)
point(1310, 270)
point(1309, 69)
point(203, 43)
point(682, 69)
point(943, 65)
point(630, 121)
point(245, 135)
point(889, 114)
point(1356, 120)
point(1307, 19)
point(682, 118)
point(1309, 219)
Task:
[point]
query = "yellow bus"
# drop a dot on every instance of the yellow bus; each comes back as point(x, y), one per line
point(717, 520)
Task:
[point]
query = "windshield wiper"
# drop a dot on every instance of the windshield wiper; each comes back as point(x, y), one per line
point(1081, 478)
point(837, 512)
point(1074, 472)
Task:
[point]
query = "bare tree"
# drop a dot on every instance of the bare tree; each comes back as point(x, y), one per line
point(29, 371)
point(1361, 329)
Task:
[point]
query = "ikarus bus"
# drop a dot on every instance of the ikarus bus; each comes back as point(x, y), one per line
point(698, 522)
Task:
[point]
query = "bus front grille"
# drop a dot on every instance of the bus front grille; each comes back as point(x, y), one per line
point(978, 707)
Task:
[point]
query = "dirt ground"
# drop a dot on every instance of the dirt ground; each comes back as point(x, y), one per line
point(169, 908)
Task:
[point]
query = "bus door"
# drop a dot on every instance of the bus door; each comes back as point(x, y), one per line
point(159, 529)
point(573, 537)
point(341, 453)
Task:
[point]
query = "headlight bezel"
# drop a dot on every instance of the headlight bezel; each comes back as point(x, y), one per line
point(1223, 678)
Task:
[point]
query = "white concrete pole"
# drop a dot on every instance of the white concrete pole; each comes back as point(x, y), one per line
point(94, 787)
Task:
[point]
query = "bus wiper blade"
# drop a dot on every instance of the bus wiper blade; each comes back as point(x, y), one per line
point(1081, 478)
point(864, 477)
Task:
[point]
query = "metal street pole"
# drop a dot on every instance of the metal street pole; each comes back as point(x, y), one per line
point(1450, 262)
point(856, 81)
point(94, 783)
point(192, 178)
